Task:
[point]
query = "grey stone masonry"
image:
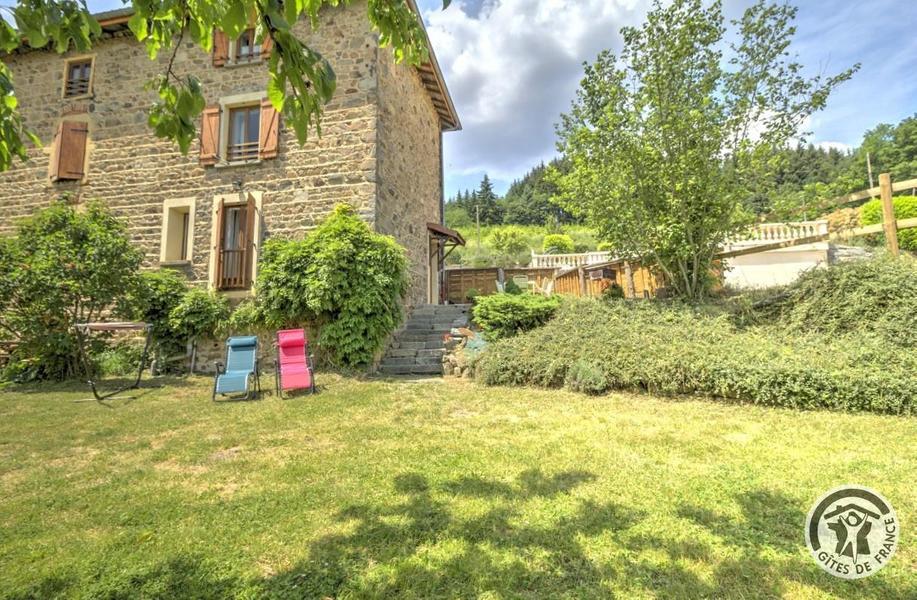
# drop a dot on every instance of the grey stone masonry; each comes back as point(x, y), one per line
point(419, 347)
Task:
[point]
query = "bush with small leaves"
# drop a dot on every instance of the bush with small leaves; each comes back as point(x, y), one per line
point(505, 315)
point(905, 208)
point(558, 243)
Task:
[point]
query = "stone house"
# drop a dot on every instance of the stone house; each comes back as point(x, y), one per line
point(206, 213)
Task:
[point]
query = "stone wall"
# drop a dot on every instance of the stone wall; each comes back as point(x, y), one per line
point(410, 168)
point(133, 172)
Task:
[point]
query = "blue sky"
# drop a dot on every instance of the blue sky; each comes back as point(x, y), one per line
point(513, 67)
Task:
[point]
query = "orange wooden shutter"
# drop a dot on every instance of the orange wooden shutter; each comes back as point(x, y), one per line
point(218, 248)
point(210, 135)
point(250, 215)
point(220, 48)
point(55, 153)
point(70, 150)
point(270, 131)
point(267, 45)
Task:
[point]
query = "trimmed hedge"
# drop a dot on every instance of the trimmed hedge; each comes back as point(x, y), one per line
point(595, 346)
point(504, 315)
point(905, 208)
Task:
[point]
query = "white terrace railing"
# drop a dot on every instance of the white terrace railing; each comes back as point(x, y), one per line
point(769, 233)
point(568, 261)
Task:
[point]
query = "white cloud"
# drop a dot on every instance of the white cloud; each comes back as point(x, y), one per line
point(513, 67)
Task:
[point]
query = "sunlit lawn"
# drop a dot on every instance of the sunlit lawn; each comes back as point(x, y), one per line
point(435, 489)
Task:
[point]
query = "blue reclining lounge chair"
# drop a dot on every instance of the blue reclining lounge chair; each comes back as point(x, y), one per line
point(240, 375)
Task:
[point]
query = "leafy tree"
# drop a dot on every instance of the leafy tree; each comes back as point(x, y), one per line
point(301, 81)
point(509, 243)
point(62, 267)
point(664, 140)
point(456, 215)
point(344, 278)
point(558, 243)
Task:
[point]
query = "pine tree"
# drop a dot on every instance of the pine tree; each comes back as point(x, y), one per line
point(487, 202)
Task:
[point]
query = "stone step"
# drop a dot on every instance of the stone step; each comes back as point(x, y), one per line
point(412, 370)
point(434, 345)
point(403, 352)
point(415, 336)
point(417, 361)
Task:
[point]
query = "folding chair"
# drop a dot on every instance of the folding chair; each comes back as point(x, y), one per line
point(293, 369)
point(240, 374)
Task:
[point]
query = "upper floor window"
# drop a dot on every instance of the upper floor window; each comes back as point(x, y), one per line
point(245, 47)
point(240, 129)
point(244, 127)
point(243, 50)
point(78, 81)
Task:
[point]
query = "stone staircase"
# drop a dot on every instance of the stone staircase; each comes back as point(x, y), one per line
point(418, 348)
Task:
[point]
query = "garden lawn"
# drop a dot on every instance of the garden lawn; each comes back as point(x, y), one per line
point(432, 489)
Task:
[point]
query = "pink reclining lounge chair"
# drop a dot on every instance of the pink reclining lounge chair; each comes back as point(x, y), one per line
point(294, 363)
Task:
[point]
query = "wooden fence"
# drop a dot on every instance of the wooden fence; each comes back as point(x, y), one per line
point(590, 281)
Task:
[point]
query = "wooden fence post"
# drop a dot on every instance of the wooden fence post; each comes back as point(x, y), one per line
point(583, 290)
point(888, 214)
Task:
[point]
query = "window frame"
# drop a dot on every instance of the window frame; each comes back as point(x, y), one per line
point(170, 207)
point(227, 104)
point(244, 148)
point(68, 64)
point(220, 202)
point(233, 59)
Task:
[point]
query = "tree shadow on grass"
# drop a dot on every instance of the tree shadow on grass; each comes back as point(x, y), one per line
point(421, 548)
point(769, 551)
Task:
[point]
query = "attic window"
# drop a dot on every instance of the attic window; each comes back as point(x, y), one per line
point(246, 48)
point(244, 127)
point(79, 78)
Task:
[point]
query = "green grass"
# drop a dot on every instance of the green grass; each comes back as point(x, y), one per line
point(435, 489)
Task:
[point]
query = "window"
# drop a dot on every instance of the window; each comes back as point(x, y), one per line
point(239, 130)
point(177, 231)
point(244, 127)
point(68, 156)
point(243, 50)
point(236, 232)
point(78, 78)
point(246, 48)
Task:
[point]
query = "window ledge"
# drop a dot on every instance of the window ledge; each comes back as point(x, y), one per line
point(237, 163)
point(243, 63)
point(175, 263)
point(89, 96)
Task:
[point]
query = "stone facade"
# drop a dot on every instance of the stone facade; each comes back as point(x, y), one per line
point(379, 149)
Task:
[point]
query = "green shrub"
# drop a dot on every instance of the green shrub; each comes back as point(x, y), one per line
point(201, 313)
point(587, 377)
point(344, 278)
point(122, 358)
point(151, 299)
point(246, 319)
point(613, 292)
point(63, 266)
point(679, 350)
point(510, 245)
point(504, 315)
point(558, 243)
point(511, 287)
point(876, 296)
point(471, 294)
point(905, 208)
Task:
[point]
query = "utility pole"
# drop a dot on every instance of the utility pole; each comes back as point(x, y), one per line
point(869, 170)
point(477, 218)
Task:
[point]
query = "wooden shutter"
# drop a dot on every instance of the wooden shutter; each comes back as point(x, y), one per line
point(251, 214)
point(69, 154)
point(210, 135)
point(266, 46)
point(218, 249)
point(220, 48)
point(269, 133)
point(55, 153)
